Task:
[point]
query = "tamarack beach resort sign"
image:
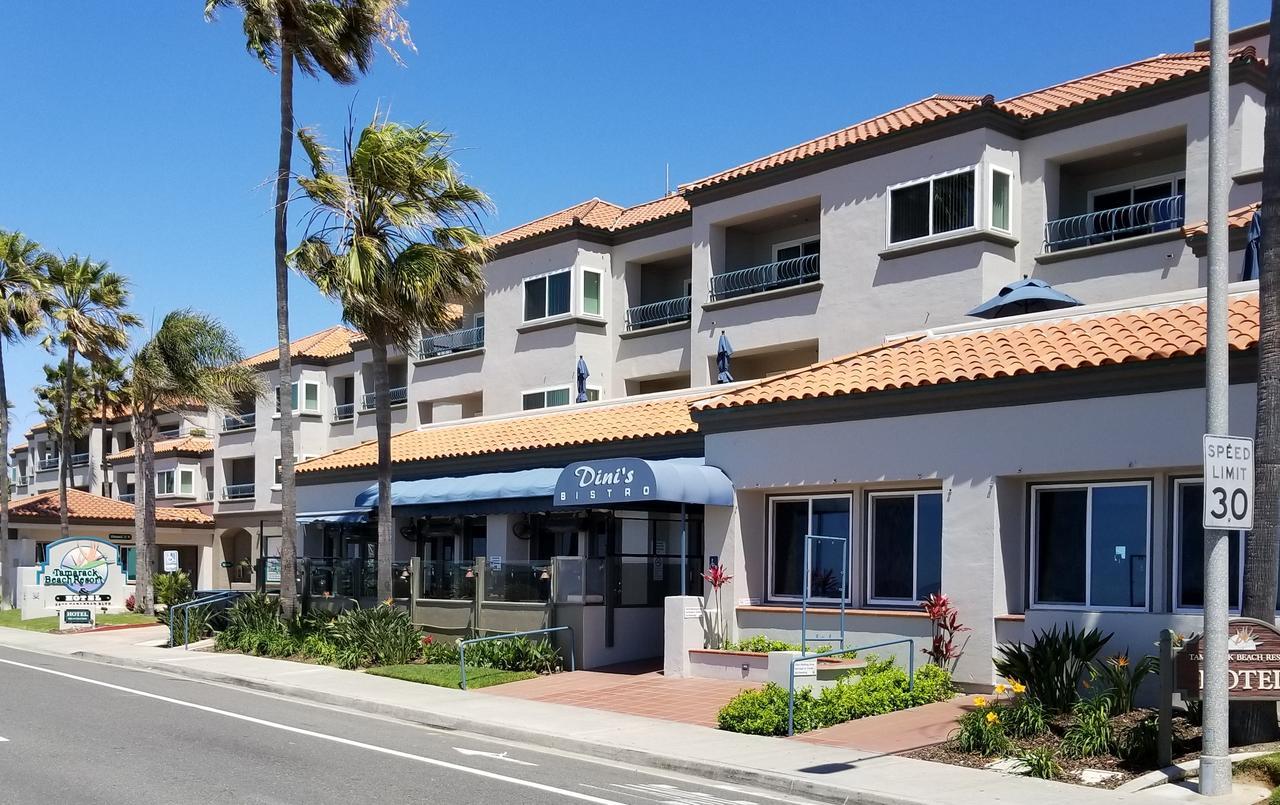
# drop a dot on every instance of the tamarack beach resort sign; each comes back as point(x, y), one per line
point(81, 572)
point(1253, 662)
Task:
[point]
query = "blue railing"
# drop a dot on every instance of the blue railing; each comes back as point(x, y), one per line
point(203, 598)
point(791, 671)
point(398, 396)
point(341, 413)
point(456, 341)
point(656, 314)
point(47, 464)
point(239, 421)
point(784, 273)
point(238, 491)
point(462, 647)
point(1116, 224)
point(79, 459)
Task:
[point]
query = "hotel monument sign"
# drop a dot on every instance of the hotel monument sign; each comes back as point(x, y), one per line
point(1253, 664)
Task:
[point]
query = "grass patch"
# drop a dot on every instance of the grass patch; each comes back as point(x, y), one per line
point(448, 676)
point(12, 619)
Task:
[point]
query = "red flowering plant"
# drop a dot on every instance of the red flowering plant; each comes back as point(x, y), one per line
point(713, 622)
point(944, 650)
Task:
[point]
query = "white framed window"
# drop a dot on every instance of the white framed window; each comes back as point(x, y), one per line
point(310, 397)
point(933, 206)
point(1137, 192)
point(164, 483)
point(186, 482)
point(548, 295)
point(1001, 196)
point(791, 249)
point(790, 519)
point(1089, 545)
point(592, 290)
point(554, 397)
point(904, 546)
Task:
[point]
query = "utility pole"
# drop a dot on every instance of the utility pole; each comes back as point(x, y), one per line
point(1215, 764)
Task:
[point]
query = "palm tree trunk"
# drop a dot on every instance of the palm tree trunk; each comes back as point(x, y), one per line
point(64, 447)
point(382, 423)
point(6, 595)
point(1255, 722)
point(149, 508)
point(288, 494)
point(104, 442)
point(142, 571)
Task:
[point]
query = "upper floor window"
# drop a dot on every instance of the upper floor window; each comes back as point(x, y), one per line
point(792, 249)
point(1001, 199)
point(310, 397)
point(551, 398)
point(932, 206)
point(548, 295)
point(1140, 192)
point(591, 283)
point(176, 482)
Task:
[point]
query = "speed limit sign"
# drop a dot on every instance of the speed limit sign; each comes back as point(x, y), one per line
point(1228, 482)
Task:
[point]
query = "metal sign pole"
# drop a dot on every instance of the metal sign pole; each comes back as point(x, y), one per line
point(1215, 764)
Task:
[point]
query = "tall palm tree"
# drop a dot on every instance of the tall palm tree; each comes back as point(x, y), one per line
point(337, 38)
point(110, 390)
point(22, 305)
point(87, 317)
point(191, 359)
point(51, 403)
point(394, 238)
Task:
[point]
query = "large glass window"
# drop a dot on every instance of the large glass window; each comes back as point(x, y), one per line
point(790, 519)
point(904, 536)
point(1090, 543)
point(591, 293)
point(547, 296)
point(931, 207)
point(1188, 547)
point(164, 482)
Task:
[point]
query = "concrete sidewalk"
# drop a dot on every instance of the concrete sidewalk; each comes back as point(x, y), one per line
point(816, 771)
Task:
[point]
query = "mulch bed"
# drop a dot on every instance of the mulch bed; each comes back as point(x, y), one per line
point(1186, 746)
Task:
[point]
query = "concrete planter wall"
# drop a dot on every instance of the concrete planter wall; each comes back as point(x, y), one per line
point(753, 666)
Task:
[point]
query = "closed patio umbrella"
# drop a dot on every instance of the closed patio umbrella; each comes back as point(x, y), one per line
point(1252, 247)
point(723, 353)
point(583, 374)
point(1024, 296)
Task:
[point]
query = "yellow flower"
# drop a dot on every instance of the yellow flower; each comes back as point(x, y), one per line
point(1000, 689)
point(992, 718)
point(1018, 687)
point(980, 701)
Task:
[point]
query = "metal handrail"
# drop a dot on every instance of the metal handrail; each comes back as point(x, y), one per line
point(235, 491)
point(48, 464)
point(462, 647)
point(655, 314)
point(79, 459)
point(1104, 226)
point(127, 497)
point(343, 412)
point(791, 671)
point(239, 421)
point(171, 433)
point(398, 396)
point(784, 273)
point(454, 341)
point(212, 597)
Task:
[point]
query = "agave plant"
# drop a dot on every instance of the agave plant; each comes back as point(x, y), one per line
point(1054, 665)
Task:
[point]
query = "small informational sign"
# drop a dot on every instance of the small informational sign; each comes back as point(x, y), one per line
point(713, 560)
point(75, 618)
point(1253, 662)
point(806, 667)
point(1228, 482)
point(495, 562)
point(273, 569)
point(170, 561)
point(120, 537)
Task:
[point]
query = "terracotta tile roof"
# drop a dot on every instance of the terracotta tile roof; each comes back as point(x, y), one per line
point(927, 110)
point(596, 424)
point(664, 207)
point(593, 213)
point(19, 448)
point(1238, 218)
point(198, 445)
point(87, 508)
point(334, 342)
point(1137, 334)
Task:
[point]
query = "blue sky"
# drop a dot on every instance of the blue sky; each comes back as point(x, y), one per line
point(139, 134)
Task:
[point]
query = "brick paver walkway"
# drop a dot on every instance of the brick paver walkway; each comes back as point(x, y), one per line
point(895, 732)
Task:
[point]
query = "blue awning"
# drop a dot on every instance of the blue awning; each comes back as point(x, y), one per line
point(619, 481)
point(342, 516)
point(522, 485)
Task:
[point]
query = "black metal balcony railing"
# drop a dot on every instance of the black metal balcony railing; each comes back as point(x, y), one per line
point(784, 273)
point(239, 421)
point(456, 341)
point(656, 314)
point(50, 463)
point(79, 459)
point(238, 491)
point(1116, 224)
point(344, 412)
point(398, 396)
point(128, 497)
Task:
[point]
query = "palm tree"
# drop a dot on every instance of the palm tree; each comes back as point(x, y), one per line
point(87, 317)
point(109, 388)
point(22, 297)
point(337, 38)
point(394, 238)
point(191, 359)
point(51, 403)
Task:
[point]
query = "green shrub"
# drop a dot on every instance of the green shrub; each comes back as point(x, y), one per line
point(932, 684)
point(1139, 743)
point(253, 626)
point(1089, 733)
point(1053, 665)
point(1123, 679)
point(763, 645)
point(515, 654)
point(1267, 767)
point(982, 733)
point(439, 652)
point(318, 646)
point(1042, 763)
point(881, 688)
point(381, 635)
point(173, 588)
point(190, 623)
point(764, 711)
point(1023, 717)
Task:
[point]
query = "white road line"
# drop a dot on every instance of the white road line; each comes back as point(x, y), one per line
point(4, 740)
point(494, 755)
point(333, 738)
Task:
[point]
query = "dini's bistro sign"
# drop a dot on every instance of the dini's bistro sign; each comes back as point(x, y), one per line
point(616, 480)
point(81, 572)
point(1253, 662)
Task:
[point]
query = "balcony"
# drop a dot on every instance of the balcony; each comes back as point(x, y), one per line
point(447, 343)
point(398, 396)
point(170, 433)
point(238, 491)
point(768, 277)
point(1104, 226)
point(344, 412)
point(656, 314)
point(128, 497)
point(45, 464)
point(233, 422)
point(79, 459)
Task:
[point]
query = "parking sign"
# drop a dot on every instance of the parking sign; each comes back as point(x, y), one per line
point(1228, 482)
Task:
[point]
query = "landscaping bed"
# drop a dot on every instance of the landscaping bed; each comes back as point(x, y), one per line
point(450, 676)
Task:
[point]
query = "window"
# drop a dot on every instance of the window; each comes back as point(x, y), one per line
point(547, 296)
point(1137, 193)
point(591, 292)
point(164, 482)
point(186, 482)
point(1001, 200)
point(310, 397)
point(904, 542)
point(932, 207)
point(1090, 545)
point(1188, 548)
point(550, 398)
point(794, 248)
point(279, 476)
point(130, 555)
point(477, 320)
point(790, 519)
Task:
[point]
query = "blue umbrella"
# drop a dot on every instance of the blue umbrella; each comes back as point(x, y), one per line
point(723, 353)
point(583, 374)
point(1252, 246)
point(1024, 296)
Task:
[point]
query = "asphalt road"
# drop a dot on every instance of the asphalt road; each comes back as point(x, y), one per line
point(79, 732)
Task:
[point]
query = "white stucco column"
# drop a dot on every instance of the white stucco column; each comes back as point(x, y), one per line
point(682, 630)
point(971, 553)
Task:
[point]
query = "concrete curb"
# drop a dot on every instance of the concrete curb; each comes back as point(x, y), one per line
point(780, 783)
point(1176, 773)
